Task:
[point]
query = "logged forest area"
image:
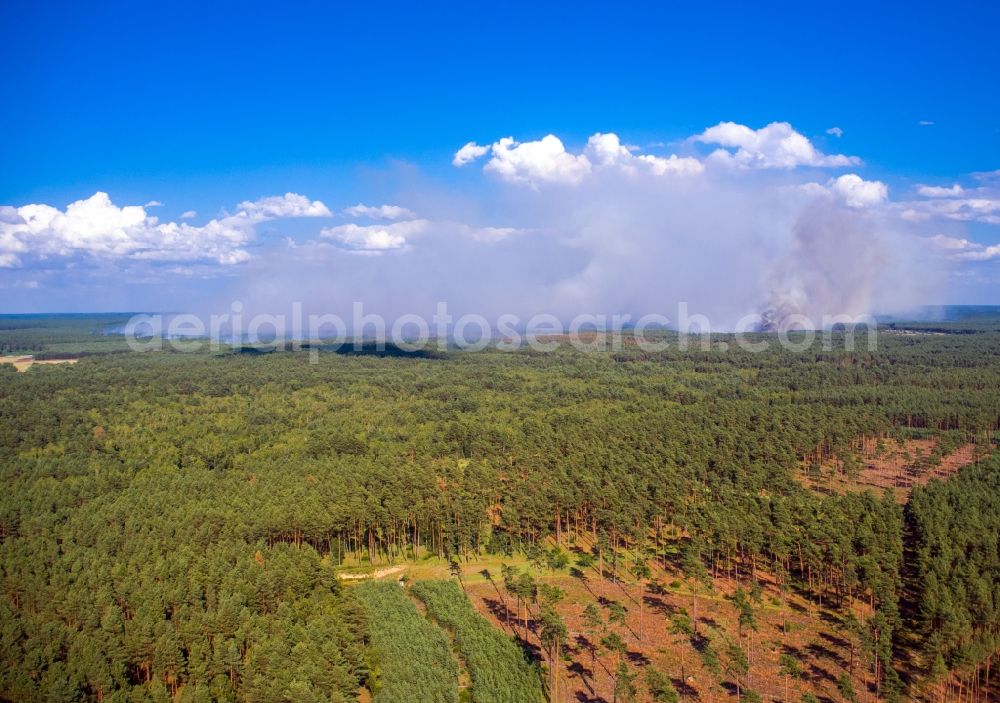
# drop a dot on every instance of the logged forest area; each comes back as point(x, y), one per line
point(707, 524)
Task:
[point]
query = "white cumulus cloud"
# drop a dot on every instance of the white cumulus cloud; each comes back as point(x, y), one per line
point(545, 160)
point(469, 152)
point(283, 206)
point(857, 192)
point(548, 161)
point(777, 145)
point(607, 150)
point(375, 238)
point(97, 228)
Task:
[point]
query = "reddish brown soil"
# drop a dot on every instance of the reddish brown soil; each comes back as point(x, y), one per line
point(814, 637)
point(898, 467)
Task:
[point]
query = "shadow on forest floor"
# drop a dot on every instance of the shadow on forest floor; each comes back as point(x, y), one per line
point(661, 606)
point(834, 640)
point(686, 690)
point(822, 652)
point(584, 698)
point(818, 672)
point(637, 659)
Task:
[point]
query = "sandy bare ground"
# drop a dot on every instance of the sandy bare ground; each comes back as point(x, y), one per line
point(380, 573)
point(25, 362)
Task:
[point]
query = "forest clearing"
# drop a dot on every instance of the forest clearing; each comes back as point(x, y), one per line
point(23, 363)
point(899, 466)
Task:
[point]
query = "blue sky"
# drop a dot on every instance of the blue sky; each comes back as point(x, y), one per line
point(202, 106)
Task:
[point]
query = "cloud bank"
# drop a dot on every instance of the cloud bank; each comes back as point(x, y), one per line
point(97, 229)
point(547, 161)
point(979, 203)
point(732, 220)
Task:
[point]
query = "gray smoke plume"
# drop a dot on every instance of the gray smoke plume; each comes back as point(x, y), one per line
point(847, 263)
point(727, 245)
point(832, 269)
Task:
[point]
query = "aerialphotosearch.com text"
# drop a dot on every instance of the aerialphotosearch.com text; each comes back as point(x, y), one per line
point(471, 332)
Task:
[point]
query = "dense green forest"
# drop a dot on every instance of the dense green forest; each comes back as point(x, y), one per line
point(412, 658)
point(57, 335)
point(496, 665)
point(171, 525)
point(956, 574)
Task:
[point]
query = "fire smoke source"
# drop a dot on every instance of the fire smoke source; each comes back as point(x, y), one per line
point(832, 269)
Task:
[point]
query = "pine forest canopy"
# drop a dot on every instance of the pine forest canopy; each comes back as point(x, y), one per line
point(172, 525)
